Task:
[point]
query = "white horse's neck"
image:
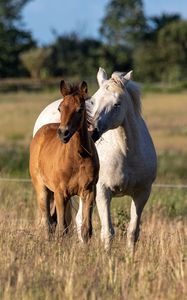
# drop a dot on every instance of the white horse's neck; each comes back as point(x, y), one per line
point(132, 129)
point(128, 135)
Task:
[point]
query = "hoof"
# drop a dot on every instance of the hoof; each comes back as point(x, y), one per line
point(79, 234)
point(107, 241)
point(108, 244)
point(61, 232)
point(86, 234)
point(130, 247)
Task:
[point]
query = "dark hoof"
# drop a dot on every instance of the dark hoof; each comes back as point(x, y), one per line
point(86, 234)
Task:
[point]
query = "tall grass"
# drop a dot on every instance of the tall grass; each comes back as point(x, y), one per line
point(32, 267)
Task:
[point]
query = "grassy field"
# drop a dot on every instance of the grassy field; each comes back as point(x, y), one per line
point(34, 268)
point(165, 115)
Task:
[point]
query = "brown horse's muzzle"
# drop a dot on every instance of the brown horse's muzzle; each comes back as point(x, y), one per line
point(64, 135)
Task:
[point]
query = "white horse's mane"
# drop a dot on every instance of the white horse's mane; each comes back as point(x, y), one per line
point(134, 90)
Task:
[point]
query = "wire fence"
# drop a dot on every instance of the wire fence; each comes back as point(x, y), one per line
point(156, 185)
point(26, 180)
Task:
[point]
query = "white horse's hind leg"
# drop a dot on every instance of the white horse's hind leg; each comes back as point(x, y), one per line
point(137, 205)
point(79, 220)
point(103, 200)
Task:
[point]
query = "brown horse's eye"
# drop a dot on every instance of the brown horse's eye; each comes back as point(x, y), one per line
point(59, 109)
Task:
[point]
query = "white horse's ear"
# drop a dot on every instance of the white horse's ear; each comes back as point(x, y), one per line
point(101, 76)
point(128, 76)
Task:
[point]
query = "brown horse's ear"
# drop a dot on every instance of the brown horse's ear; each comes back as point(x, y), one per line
point(83, 88)
point(64, 88)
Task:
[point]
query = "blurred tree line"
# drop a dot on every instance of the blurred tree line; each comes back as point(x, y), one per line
point(13, 39)
point(155, 47)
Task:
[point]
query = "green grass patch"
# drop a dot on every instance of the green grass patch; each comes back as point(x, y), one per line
point(172, 167)
point(14, 161)
point(161, 87)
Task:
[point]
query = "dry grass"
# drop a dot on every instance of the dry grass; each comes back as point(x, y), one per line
point(34, 268)
point(18, 112)
point(31, 267)
point(166, 117)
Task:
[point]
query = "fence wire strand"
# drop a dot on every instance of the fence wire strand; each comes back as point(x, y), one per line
point(156, 185)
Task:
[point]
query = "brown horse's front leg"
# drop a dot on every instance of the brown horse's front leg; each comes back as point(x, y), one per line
point(60, 202)
point(88, 198)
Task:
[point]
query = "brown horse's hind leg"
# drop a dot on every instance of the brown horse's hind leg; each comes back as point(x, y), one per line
point(53, 213)
point(88, 199)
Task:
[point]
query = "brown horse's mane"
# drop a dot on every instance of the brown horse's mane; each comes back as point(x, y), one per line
point(73, 89)
point(89, 118)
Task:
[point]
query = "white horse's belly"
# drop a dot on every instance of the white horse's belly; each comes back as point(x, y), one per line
point(114, 171)
point(123, 180)
point(121, 175)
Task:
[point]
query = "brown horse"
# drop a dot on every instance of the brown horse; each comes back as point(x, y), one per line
point(64, 162)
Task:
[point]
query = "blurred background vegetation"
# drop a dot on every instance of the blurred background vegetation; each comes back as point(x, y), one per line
point(154, 46)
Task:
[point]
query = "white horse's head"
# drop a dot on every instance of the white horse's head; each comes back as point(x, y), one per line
point(109, 105)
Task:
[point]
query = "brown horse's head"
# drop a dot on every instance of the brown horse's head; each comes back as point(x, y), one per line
point(72, 109)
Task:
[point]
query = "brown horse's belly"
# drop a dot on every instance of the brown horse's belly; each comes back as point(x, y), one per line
point(72, 182)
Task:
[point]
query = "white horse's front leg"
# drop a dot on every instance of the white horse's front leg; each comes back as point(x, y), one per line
point(79, 220)
point(103, 200)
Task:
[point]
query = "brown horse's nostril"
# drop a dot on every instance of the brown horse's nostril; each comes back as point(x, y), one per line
point(63, 133)
point(66, 132)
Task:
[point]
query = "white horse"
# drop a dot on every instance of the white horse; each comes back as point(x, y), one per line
point(126, 151)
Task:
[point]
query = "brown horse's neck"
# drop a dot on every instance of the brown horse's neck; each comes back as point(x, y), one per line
point(84, 144)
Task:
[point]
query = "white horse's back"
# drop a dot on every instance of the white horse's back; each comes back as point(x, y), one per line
point(49, 115)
